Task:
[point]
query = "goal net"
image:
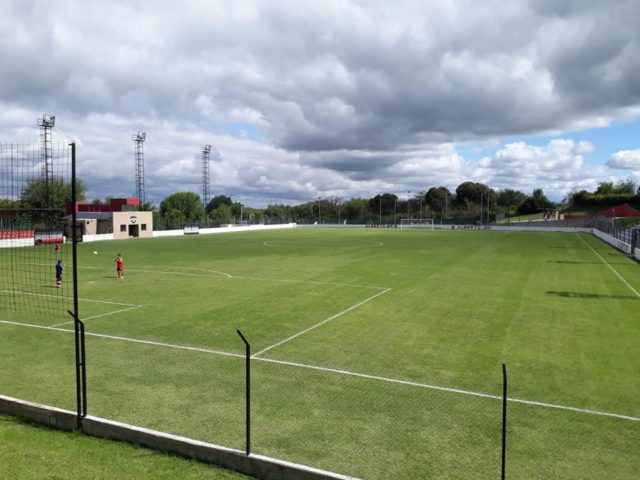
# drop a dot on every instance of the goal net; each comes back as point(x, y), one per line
point(35, 249)
point(416, 223)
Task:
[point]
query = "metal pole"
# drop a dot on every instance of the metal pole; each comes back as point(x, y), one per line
point(395, 204)
point(408, 203)
point(81, 390)
point(319, 217)
point(247, 392)
point(380, 198)
point(504, 420)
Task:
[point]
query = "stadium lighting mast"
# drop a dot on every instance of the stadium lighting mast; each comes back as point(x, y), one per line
point(319, 217)
point(46, 124)
point(380, 212)
point(408, 203)
point(138, 143)
point(206, 192)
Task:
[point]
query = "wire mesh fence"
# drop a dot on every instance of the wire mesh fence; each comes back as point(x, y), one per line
point(34, 254)
point(357, 425)
point(625, 229)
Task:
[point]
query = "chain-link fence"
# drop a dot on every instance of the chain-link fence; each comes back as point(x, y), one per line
point(364, 426)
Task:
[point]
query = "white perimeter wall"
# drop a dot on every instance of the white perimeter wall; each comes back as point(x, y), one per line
point(18, 242)
point(97, 238)
point(637, 253)
point(514, 229)
point(231, 229)
point(619, 244)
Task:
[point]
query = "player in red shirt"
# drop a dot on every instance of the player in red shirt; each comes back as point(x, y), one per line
point(119, 266)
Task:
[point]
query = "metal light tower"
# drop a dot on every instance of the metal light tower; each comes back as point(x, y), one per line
point(206, 194)
point(46, 123)
point(138, 148)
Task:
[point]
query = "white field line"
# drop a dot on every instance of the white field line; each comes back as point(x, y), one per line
point(340, 372)
point(202, 270)
point(101, 315)
point(184, 274)
point(307, 282)
point(271, 243)
point(56, 296)
point(321, 323)
point(127, 339)
point(227, 275)
point(612, 269)
point(450, 390)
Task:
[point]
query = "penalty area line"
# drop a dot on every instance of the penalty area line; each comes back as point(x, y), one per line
point(353, 307)
point(100, 315)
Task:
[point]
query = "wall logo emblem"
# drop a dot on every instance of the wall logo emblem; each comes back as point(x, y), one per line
point(133, 219)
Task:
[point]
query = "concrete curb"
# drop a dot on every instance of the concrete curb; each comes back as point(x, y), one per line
point(258, 466)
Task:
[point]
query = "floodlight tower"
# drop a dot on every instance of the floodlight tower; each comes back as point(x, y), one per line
point(138, 145)
point(206, 194)
point(46, 124)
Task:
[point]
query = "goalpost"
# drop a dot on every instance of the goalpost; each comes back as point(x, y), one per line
point(416, 223)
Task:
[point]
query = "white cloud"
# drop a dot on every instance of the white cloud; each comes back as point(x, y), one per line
point(625, 160)
point(325, 97)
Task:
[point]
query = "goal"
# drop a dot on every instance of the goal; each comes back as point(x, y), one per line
point(416, 223)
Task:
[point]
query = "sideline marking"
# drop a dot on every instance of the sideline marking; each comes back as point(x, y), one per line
point(340, 372)
point(321, 323)
point(612, 269)
point(127, 339)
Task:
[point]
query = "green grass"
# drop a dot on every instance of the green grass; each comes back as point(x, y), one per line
point(449, 308)
point(34, 452)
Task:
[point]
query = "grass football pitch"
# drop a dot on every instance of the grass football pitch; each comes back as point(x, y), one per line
point(377, 353)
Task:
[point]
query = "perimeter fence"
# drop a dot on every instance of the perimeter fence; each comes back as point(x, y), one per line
point(360, 425)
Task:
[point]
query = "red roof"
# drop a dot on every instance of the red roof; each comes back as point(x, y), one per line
point(115, 205)
point(624, 210)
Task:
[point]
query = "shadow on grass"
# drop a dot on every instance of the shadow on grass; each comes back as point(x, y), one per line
point(589, 296)
point(572, 262)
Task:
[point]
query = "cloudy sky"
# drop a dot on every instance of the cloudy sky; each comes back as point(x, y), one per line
point(307, 99)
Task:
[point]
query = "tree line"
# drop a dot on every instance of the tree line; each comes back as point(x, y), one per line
point(469, 202)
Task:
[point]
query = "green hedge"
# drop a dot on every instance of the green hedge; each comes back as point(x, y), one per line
point(587, 199)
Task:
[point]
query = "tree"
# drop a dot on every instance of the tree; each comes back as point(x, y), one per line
point(627, 187)
point(510, 198)
point(147, 207)
point(537, 202)
point(605, 188)
point(217, 201)
point(386, 202)
point(40, 194)
point(438, 198)
point(182, 208)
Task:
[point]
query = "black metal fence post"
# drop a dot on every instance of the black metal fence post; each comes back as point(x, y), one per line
point(247, 392)
point(504, 420)
point(81, 370)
